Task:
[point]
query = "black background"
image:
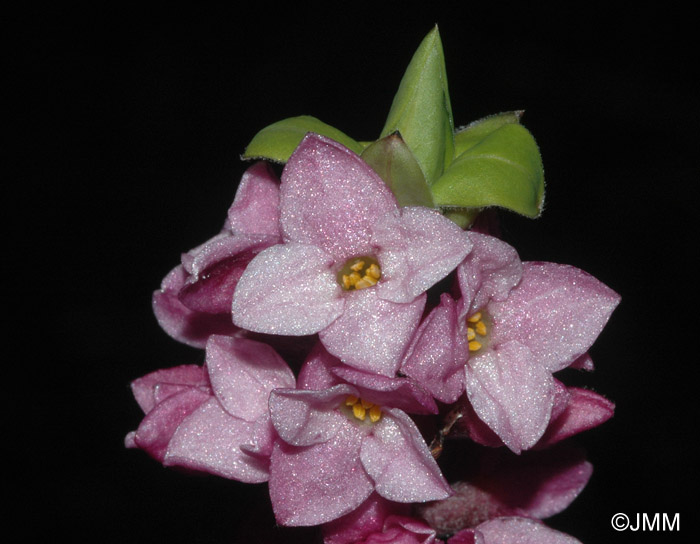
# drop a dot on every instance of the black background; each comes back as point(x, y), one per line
point(131, 123)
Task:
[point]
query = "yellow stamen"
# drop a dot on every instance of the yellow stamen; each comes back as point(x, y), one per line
point(359, 265)
point(359, 411)
point(374, 271)
point(481, 328)
point(476, 317)
point(359, 273)
point(366, 403)
point(474, 345)
point(375, 413)
point(352, 399)
point(470, 333)
point(363, 284)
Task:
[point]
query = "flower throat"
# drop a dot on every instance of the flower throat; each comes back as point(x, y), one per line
point(359, 273)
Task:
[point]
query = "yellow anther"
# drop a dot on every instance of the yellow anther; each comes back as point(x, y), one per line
point(474, 345)
point(476, 317)
point(470, 333)
point(346, 281)
point(374, 272)
point(363, 284)
point(359, 411)
point(359, 265)
point(354, 278)
point(352, 399)
point(366, 403)
point(375, 413)
point(481, 328)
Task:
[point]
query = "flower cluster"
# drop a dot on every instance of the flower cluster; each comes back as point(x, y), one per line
point(351, 339)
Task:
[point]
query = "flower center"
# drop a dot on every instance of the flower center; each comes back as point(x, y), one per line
point(359, 273)
point(361, 409)
point(477, 331)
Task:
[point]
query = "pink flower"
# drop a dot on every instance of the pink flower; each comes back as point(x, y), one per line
point(339, 444)
point(353, 266)
point(508, 530)
point(515, 325)
point(194, 300)
point(214, 419)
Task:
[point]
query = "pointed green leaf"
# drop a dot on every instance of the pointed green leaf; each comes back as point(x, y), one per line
point(504, 169)
point(277, 141)
point(391, 158)
point(421, 109)
point(476, 131)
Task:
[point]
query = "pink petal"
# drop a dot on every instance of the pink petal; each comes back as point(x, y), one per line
point(330, 198)
point(438, 353)
point(317, 371)
point(418, 247)
point(210, 440)
point(467, 536)
point(490, 271)
point(155, 431)
point(303, 418)
point(288, 289)
point(363, 521)
point(372, 333)
point(243, 373)
point(319, 483)
point(402, 393)
point(523, 531)
point(255, 210)
point(511, 393)
point(584, 411)
point(183, 324)
point(557, 311)
point(187, 375)
point(583, 363)
point(399, 461)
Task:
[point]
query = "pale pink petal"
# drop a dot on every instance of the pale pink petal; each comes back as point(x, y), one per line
point(372, 333)
point(585, 410)
point(330, 198)
point(583, 363)
point(399, 461)
point(368, 518)
point(319, 483)
point(520, 530)
point(187, 375)
point(183, 324)
point(317, 370)
point(408, 530)
point(288, 289)
point(511, 393)
point(210, 440)
point(418, 247)
point(438, 353)
point(302, 418)
point(243, 373)
point(490, 271)
point(402, 393)
point(557, 311)
point(156, 429)
point(255, 208)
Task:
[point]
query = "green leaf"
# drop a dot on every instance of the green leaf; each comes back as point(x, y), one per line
point(421, 109)
point(476, 131)
point(391, 158)
point(463, 217)
point(504, 169)
point(277, 141)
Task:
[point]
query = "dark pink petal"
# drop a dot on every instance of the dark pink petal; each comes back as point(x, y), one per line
point(438, 353)
point(210, 440)
point(186, 375)
point(183, 324)
point(243, 373)
point(317, 371)
point(557, 311)
point(520, 530)
point(583, 363)
point(490, 271)
point(255, 209)
point(470, 426)
point(408, 530)
point(368, 518)
point(399, 461)
point(331, 198)
point(319, 483)
point(155, 431)
point(402, 393)
point(511, 393)
point(372, 333)
point(262, 438)
point(417, 248)
point(303, 418)
point(216, 270)
point(584, 411)
point(467, 536)
point(288, 289)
